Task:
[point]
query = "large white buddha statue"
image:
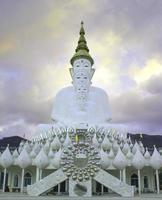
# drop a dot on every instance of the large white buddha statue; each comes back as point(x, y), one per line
point(81, 102)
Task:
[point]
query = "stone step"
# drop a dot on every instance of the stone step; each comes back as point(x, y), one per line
point(114, 184)
point(46, 183)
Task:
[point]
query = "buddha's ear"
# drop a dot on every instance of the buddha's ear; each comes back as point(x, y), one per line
point(71, 72)
point(91, 73)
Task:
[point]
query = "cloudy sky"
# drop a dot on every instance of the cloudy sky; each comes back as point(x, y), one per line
point(38, 38)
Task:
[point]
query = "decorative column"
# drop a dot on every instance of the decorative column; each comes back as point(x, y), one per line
point(156, 163)
point(138, 162)
point(6, 162)
point(120, 171)
point(66, 185)
point(22, 180)
point(9, 179)
point(40, 174)
point(124, 175)
point(94, 186)
point(4, 179)
point(157, 181)
point(102, 189)
point(37, 174)
point(59, 189)
point(139, 182)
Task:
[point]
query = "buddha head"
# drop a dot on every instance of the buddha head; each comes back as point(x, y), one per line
point(81, 71)
point(81, 83)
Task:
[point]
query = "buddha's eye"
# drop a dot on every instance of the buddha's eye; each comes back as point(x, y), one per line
point(85, 77)
point(77, 66)
point(86, 66)
point(78, 77)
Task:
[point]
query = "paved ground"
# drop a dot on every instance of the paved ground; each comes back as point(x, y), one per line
point(18, 196)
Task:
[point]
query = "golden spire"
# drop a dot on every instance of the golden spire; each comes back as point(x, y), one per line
point(82, 50)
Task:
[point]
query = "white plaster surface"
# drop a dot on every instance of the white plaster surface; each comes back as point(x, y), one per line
point(46, 183)
point(65, 107)
point(114, 184)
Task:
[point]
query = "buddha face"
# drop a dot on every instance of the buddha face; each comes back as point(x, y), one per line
point(82, 64)
point(82, 76)
point(81, 84)
point(81, 80)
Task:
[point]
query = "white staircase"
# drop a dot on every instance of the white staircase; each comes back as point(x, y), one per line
point(114, 184)
point(46, 183)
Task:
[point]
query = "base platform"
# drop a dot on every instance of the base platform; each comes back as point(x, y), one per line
point(18, 196)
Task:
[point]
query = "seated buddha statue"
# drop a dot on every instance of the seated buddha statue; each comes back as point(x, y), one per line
point(81, 102)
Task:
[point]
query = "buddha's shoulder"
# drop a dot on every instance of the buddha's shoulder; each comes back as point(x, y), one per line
point(98, 91)
point(64, 92)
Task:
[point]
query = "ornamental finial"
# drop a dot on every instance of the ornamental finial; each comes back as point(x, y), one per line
point(82, 32)
point(82, 50)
